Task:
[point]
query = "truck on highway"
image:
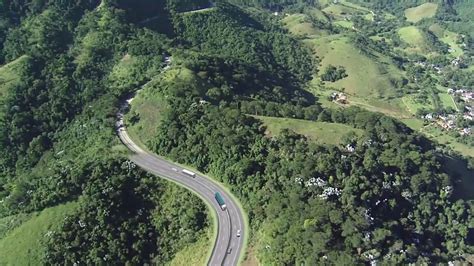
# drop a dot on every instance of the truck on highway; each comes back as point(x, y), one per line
point(220, 200)
point(189, 172)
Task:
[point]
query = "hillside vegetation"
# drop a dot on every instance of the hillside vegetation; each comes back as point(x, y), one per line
point(228, 89)
point(426, 10)
point(375, 35)
point(300, 25)
point(67, 65)
point(213, 126)
point(24, 245)
point(319, 132)
point(366, 77)
point(415, 38)
point(9, 75)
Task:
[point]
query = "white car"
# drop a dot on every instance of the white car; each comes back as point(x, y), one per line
point(238, 233)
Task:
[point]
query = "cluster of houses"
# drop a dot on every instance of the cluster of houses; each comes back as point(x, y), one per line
point(467, 96)
point(448, 122)
point(339, 97)
point(437, 67)
point(456, 62)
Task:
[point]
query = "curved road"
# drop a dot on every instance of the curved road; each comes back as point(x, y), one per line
point(227, 246)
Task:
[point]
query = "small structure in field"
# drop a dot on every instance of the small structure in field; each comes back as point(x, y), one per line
point(339, 97)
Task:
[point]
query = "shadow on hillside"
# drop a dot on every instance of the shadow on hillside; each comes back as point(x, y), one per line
point(458, 169)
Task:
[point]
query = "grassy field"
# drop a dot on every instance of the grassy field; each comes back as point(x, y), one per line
point(319, 132)
point(413, 123)
point(7, 224)
point(22, 245)
point(344, 8)
point(426, 10)
point(202, 10)
point(447, 100)
point(339, 11)
point(372, 80)
point(149, 106)
point(415, 38)
point(345, 24)
point(448, 37)
point(149, 102)
point(353, 6)
point(392, 107)
point(412, 106)
point(298, 24)
point(194, 254)
point(251, 258)
point(436, 134)
point(8, 76)
point(318, 14)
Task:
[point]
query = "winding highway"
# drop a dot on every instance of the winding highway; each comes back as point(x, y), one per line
point(228, 244)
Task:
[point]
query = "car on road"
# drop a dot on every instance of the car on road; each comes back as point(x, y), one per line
point(229, 251)
point(238, 233)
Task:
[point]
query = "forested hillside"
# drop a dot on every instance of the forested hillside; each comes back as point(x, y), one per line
point(73, 61)
point(382, 196)
point(381, 193)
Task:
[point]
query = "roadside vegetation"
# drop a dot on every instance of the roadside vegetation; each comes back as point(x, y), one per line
point(24, 243)
point(64, 172)
point(293, 105)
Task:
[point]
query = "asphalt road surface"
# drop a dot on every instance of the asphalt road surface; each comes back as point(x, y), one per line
point(227, 246)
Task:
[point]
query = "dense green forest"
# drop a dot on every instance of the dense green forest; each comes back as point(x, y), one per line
point(382, 196)
point(58, 143)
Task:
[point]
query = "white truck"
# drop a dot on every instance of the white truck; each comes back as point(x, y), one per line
point(185, 171)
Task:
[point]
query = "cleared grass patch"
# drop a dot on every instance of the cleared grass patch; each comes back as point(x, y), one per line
point(318, 14)
point(415, 38)
point(9, 223)
point(447, 37)
point(367, 78)
point(23, 245)
point(202, 10)
point(354, 6)
point(148, 106)
point(412, 106)
point(344, 8)
point(194, 254)
point(339, 10)
point(447, 100)
point(391, 107)
point(319, 132)
point(345, 24)
point(9, 75)
point(413, 123)
point(436, 134)
point(426, 10)
point(298, 24)
point(251, 258)
point(149, 103)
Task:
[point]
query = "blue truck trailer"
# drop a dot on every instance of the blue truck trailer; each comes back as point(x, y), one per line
point(220, 200)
